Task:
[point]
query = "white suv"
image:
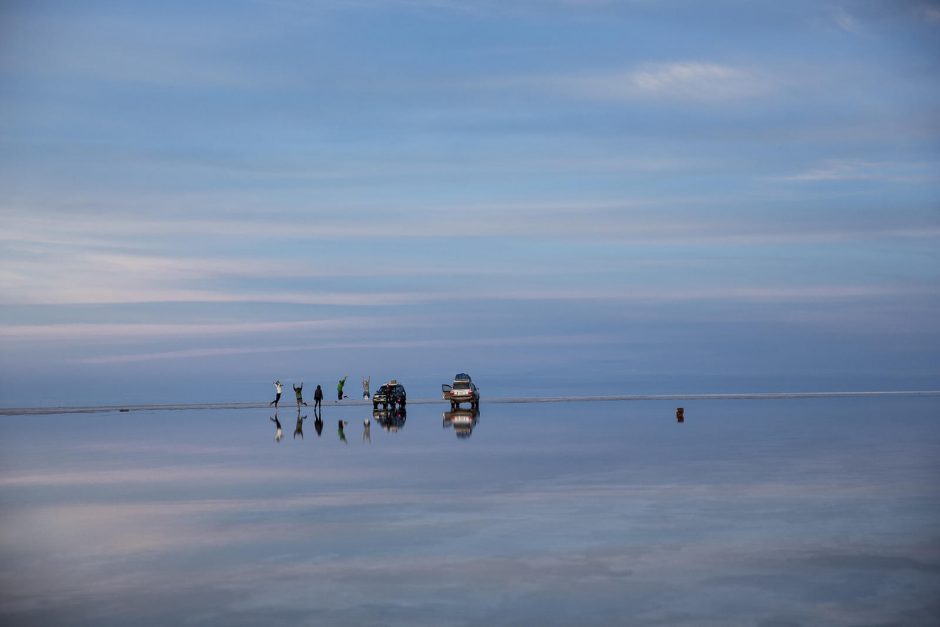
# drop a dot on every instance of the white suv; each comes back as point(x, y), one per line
point(461, 391)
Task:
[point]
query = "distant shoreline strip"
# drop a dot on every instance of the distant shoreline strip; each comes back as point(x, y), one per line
point(743, 396)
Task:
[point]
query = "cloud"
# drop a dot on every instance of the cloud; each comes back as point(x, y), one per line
point(352, 344)
point(931, 13)
point(105, 331)
point(688, 81)
point(914, 172)
point(156, 50)
point(845, 20)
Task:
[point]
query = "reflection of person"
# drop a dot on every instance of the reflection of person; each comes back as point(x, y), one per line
point(365, 388)
point(299, 393)
point(299, 427)
point(278, 434)
point(277, 391)
point(317, 397)
point(339, 429)
point(318, 424)
point(367, 431)
point(339, 388)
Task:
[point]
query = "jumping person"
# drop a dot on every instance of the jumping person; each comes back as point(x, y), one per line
point(317, 397)
point(277, 397)
point(365, 387)
point(298, 392)
point(339, 388)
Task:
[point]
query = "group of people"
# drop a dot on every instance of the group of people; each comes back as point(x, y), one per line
point(299, 393)
point(317, 400)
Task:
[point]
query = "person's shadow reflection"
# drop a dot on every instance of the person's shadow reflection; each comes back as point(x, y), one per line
point(340, 430)
point(367, 431)
point(318, 425)
point(278, 433)
point(299, 427)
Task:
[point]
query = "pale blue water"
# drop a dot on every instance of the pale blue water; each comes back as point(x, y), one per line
point(788, 512)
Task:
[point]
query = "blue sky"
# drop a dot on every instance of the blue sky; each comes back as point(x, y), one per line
point(570, 196)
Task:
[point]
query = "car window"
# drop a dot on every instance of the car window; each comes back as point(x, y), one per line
point(461, 385)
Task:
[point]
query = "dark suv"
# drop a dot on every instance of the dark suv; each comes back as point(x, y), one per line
point(389, 395)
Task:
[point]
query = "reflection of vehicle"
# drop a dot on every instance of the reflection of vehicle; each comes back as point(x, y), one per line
point(389, 395)
point(390, 419)
point(462, 420)
point(461, 391)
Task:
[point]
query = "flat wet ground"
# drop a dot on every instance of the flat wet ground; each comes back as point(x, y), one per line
point(774, 512)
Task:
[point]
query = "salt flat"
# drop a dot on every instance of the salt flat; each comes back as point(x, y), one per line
point(765, 511)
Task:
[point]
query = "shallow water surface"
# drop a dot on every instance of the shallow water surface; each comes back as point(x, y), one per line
point(775, 512)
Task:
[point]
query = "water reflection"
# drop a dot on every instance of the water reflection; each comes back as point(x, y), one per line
point(318, 424)
point(462, 420)
point(587, 510)
point(367, 431)
point(299, 427)
point(278, 433)
point(340, 430)
point(391, 419)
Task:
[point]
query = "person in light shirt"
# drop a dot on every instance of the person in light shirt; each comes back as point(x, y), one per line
point(278, 388)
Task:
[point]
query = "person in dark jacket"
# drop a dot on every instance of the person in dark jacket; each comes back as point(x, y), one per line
point(317, 398)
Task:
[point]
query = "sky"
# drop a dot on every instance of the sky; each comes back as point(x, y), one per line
point(565, 196)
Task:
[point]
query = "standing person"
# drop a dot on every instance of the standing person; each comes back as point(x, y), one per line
point(317, 397)
point(277, 393)
point(365, 388)
point(339, 388)
point(299, 393)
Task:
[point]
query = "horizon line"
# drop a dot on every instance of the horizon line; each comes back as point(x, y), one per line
point(94, 409)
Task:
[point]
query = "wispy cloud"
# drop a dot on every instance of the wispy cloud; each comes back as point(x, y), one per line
point(157, 51)
point(845, 20)
point(931, 13)
point(106, 331)
point(859, 170)
point(684, 81)
point(352, 344)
